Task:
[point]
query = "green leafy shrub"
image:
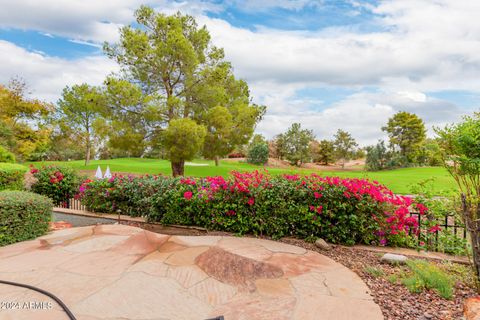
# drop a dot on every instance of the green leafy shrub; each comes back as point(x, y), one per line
point(258, 154)
point(338, 210)
point(6, 156)
point(12, 176)
point(426, 275)
point(56, 182)
point(23, 216)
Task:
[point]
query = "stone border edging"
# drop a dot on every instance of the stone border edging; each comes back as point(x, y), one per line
point(414, 253)
point(120, 218)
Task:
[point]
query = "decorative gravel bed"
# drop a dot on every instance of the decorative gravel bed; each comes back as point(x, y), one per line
point(396, 302)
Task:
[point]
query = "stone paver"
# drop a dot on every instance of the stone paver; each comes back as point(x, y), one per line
point(121, 272)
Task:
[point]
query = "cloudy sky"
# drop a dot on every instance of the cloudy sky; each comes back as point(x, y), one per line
point(327, 64)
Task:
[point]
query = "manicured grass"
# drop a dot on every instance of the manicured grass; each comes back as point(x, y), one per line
point(398, 180)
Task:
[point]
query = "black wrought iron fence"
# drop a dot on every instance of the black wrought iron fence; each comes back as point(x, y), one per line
point(450, 235)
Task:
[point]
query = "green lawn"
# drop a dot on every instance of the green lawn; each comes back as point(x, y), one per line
point(398, 180)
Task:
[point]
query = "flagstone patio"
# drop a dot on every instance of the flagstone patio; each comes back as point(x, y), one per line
point(121, 272)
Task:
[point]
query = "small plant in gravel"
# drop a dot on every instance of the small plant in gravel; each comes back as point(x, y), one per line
point(393, 278)
point(374, 271)
point(426, 275)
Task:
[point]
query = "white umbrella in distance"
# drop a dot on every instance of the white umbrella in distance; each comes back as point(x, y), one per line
point(107, 174)
point(99, 174)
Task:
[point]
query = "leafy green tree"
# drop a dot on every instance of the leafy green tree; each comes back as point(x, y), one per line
point(407, 132)
point(23, 128)
point(6, 156)
point(182, 139)
point(460, 147)
point(324, 152)
point(279, 146)
point(132, 120)
point(258, 138)
point(219, 125)
point(378, 157)
point(64, 143)
point(360, 153)
point(258, 153)
point(183, 76)
point(80, 108)
point(345, 146)
point(296, 144)
point(430, 153)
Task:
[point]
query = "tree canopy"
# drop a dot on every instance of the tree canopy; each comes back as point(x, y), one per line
point(81, 108)
point(407, 132)
point(182, 75)
point(295, 144)
point(323, 151)
point(345, 145)
point(460, 147)
point(22, 121)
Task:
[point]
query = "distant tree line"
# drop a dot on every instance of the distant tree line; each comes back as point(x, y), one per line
point(299, 146)
point(407, 146)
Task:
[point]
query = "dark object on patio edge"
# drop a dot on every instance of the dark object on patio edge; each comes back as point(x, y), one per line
point(51, 295)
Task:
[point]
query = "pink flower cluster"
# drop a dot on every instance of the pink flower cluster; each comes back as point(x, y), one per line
point(56, 177)
point(397, 216)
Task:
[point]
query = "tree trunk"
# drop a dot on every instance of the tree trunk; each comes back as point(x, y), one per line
point(87, 154)
point(473, 226)
point(217, 161)
point(178, 168)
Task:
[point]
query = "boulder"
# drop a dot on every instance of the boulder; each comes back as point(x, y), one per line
point(322, 244)
point(393, 258)
point(471, 308)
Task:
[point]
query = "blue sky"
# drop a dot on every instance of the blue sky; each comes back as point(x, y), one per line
point(327, 64)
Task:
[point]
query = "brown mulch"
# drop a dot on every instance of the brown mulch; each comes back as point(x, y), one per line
point(396, 302)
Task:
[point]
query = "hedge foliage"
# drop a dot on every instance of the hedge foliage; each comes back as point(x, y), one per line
point(56, 182)
point(338, 210)
point(23, 216)
point(12, 176)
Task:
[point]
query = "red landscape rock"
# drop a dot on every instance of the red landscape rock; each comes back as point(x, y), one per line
point(471, 308)
point(59, 225)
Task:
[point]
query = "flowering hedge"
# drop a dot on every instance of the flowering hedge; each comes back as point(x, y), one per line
point(339, 210)
point(56, 182)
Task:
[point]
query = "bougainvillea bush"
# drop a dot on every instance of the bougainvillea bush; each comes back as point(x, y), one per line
point(338, 210)
point(56, 182)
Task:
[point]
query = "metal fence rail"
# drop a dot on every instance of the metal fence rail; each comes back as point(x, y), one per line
point(448, 225)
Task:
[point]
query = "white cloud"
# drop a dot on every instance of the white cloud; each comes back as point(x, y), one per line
point(85, 20)
point(47, 76)
point(255, 5)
